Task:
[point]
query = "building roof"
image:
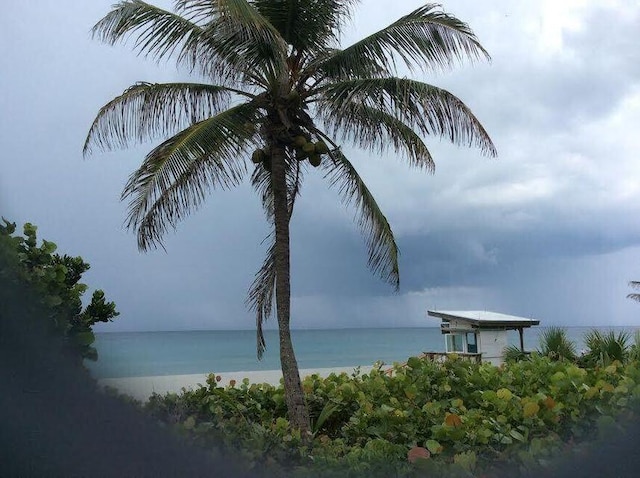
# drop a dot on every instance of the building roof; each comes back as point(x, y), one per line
point(483, 318)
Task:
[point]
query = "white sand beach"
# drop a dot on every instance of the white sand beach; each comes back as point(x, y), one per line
point(141, 388)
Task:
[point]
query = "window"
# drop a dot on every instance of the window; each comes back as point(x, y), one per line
point(472, 345)
point(455, 343)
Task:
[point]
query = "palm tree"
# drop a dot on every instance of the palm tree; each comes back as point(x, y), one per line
point(274, 87)
point(605, 347)
point(634, 285)
point(555, 344)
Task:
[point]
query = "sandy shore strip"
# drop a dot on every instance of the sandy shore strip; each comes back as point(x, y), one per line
point(141, 388)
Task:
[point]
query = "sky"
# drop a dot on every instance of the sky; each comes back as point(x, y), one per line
point(549, 229)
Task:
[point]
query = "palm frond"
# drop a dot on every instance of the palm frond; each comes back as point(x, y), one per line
point(427, 38)
point(555, 344)
point(605, 347)
point(160, 33)
point(307, 25)
point(175, 176)
point(150, 110)
point(634, 349)
point(230, 43)
point(512, 353)
point(634, 285)
point(431, 110)
point(238, 31)
point(261, 293)
point(372, 129)
point(383, 251)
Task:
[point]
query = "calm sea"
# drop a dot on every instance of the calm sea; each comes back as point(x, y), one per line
point(136, 354)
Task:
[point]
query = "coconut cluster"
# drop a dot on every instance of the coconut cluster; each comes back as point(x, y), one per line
point(304, 149)
point(307, 149)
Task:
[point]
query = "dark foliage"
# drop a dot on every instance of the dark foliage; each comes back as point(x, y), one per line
point(57, 279)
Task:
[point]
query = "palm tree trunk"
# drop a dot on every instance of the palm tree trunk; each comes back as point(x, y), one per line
point(294, 396)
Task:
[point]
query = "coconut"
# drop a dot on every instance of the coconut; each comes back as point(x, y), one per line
point(321, 147)
point(315, 159)
point(258, 156)
point(309, 148)
point(294, 96)
point(266, 163)
point(300, 141)
point(300, 154)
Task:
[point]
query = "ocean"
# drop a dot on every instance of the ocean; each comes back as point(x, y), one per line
point(138, 354)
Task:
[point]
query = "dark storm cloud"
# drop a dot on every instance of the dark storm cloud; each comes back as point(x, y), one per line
point(547, 229)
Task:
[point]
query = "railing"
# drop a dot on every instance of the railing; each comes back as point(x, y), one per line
point(441, 356)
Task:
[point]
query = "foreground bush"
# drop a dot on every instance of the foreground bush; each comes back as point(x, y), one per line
point(56, 278)
point(457, 417)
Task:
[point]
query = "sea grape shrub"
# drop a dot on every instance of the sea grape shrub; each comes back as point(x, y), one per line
point(57, 279)
point(472, 418)
point(248, 421)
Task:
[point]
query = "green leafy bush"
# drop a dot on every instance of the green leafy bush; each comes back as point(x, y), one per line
point(57, 279)
point(468, 418)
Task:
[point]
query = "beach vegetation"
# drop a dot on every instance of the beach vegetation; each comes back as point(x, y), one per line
point(423, 418)
point(555, 344)
point(276, 74)
point(634, 349)
point(57, 280)
point(603, 348)
point(513, 353)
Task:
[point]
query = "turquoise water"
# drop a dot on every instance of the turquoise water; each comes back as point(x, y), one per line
point(135, 354)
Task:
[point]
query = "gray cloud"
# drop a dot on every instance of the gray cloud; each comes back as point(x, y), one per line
point(548, 229)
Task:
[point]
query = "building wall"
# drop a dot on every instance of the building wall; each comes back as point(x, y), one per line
point(491, 344)
point(459, 325)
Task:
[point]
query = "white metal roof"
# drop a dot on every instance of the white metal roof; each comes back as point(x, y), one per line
point(483, 318)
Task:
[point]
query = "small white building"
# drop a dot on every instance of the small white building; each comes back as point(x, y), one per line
point(480, 333)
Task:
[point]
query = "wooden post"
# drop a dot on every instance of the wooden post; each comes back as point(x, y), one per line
point(520, 331)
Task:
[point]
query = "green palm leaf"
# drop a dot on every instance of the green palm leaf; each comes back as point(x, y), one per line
point(375, 130)
point(160, 33)
point(235, 43)
point(605, 347)
point(175, 176)
point(237, 31)
point(262, 292)
point(383, 251)
point(426, 38)
point(431, 110)
point(555, 344)
point(307, 25)
point(635, 285)
point(150, 110)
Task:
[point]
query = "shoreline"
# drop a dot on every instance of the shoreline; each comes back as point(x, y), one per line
point(141, 388)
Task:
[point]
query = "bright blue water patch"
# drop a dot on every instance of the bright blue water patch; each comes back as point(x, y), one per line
point(135, 354)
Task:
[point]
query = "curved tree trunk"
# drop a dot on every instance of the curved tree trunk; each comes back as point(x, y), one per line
point(294, 396)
